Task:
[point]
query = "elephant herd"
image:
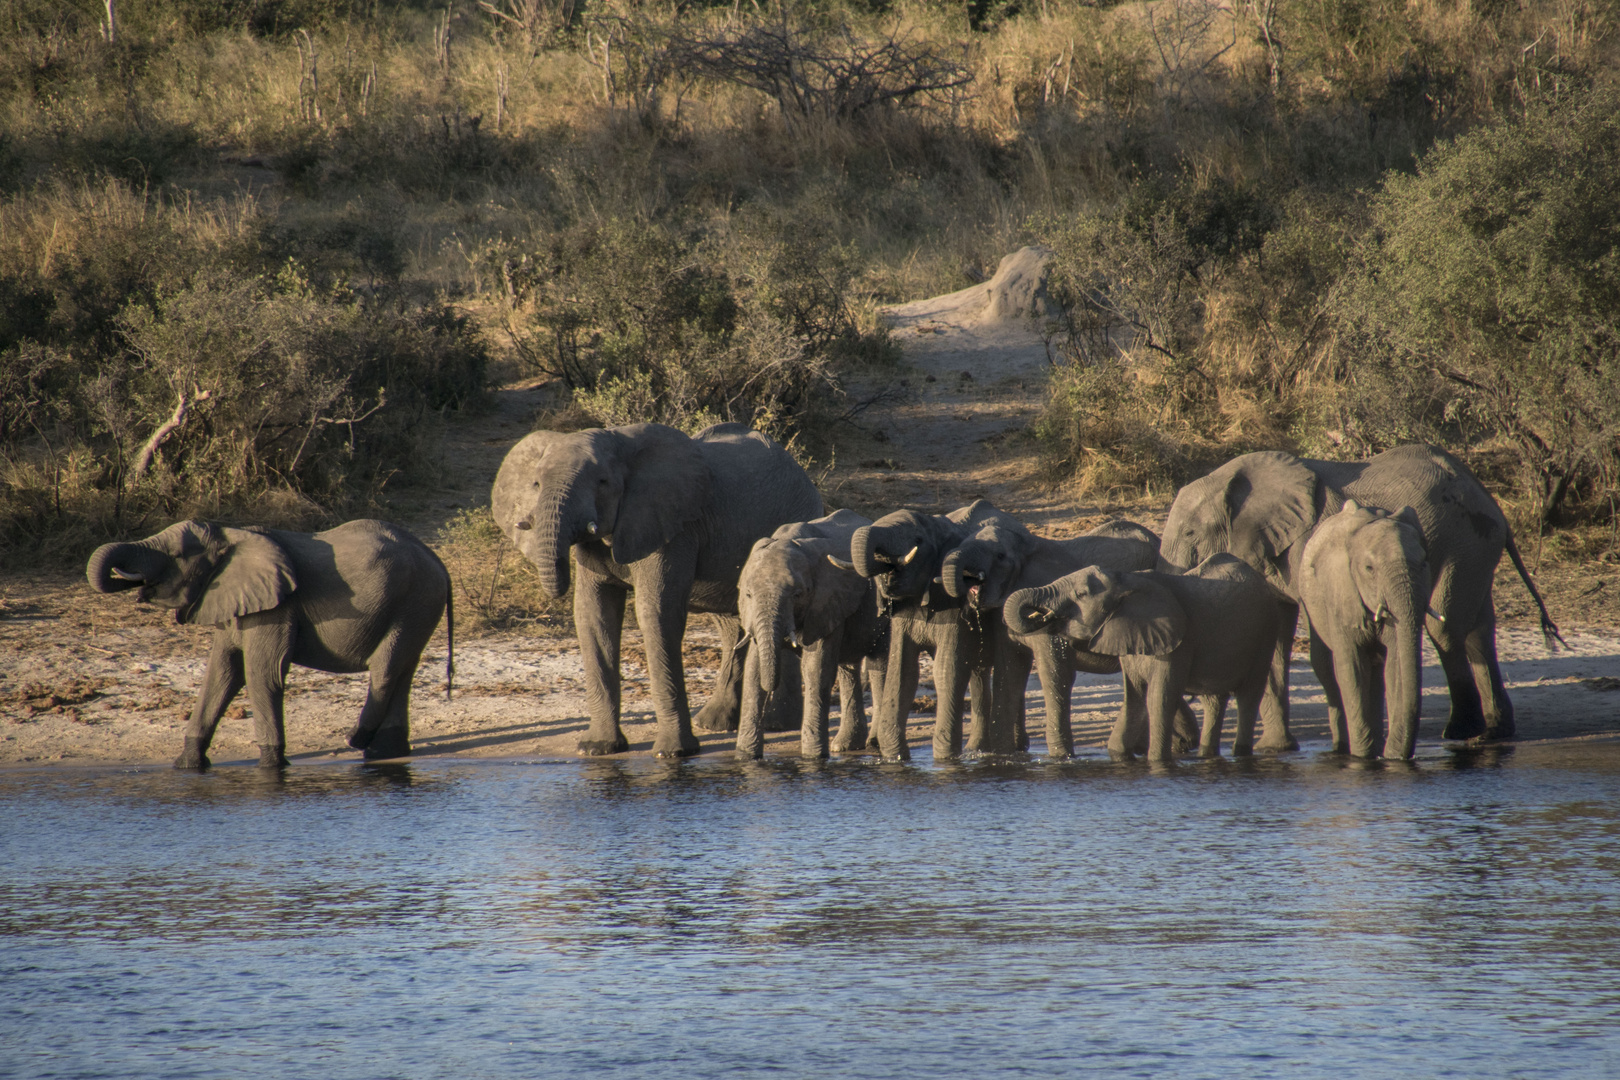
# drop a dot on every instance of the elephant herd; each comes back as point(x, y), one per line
point(1374, 554)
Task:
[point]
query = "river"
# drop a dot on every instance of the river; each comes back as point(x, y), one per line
point(1299, 916)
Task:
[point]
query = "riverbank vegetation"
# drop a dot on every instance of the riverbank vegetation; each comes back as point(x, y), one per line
point(254, 254)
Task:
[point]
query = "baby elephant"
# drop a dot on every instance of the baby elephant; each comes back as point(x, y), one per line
point(1364, 585)
point(365, 596)
point(797, 591)
point(1210, 632)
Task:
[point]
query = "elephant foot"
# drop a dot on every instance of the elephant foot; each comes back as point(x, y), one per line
point(1499, 733)
point(1242, 750)
point(1117, 754)
point(192, 756)
point(717, 715)
point(683, 746)
point(1281, 744)
point(1209, 752)
point(380, 750)
point(1460, 728)
point(272, 757)
point(601, 747)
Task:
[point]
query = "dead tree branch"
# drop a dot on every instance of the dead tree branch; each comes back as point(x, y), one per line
point(143, 460)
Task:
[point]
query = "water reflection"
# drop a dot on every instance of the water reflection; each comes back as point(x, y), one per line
point(1303, 915)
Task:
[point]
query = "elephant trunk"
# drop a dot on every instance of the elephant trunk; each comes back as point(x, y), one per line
point(1403, 669)
point(116, 567)
point(863, 553)
point(772, 630)
point(1028, 611)
point(558, 526)
point(951, 574)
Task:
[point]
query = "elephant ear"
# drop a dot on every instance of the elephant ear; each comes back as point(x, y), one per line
point(666, 491)
point(1272, 501)
point(1148, 620)
point(252, 574)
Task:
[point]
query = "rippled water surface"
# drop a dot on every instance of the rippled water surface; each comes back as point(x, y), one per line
point(1297, 917)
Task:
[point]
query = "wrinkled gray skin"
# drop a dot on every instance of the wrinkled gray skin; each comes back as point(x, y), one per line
point(903, 551)
point(644, 508)
point(797, 595)
point(1263, 508)
point(1363, 584)
point(1208, 632)
point(996, 561)
point(365, 596)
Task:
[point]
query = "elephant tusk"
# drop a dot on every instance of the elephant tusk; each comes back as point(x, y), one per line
point(525, 525)
point(1436, 616)
point(840, 563)
point(591, 528)
point(796, 640)
point(912, 554)
point(122, 576)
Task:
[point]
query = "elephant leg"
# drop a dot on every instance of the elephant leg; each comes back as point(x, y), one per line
point(819, 670)
point(1161, 697)
point(950, 686)
point(785, 708)
point(1467, 717)
point(750, 730)
point(598, 623)
point(1209, 740)
point(1008, 683)
point(266, 654)
point(899, 689)
point(1276, 736)
point(390, 695)
point(223, 682)
point(1249, 699)
point(1357, 676)
point(1480, 645)
point(1188, 731)
point(877, 674)
point(721, 711)
point(1057, 686)
point(1123, 740)
point(1322, 662)
point(663, 586)
point(851, 709)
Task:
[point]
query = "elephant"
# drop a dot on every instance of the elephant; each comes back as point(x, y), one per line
point(365, 596)
point(797, 592)
point(1364, 588)
point(994, 562)
point(1263, 507)
point(645, 508)
point(903, 552)
point(1209, 632)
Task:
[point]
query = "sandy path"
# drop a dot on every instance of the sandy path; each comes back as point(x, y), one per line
point(86, 678)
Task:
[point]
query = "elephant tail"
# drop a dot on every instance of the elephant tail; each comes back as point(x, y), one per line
point(449, 640)
point(1549, 629)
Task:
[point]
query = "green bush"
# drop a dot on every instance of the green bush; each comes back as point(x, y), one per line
point(1488, 303)
point(644, 324)
point(160, 332)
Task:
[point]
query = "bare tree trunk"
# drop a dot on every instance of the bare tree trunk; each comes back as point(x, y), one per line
point(109, 29)
point(143, 460)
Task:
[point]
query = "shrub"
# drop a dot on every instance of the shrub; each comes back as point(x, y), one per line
point(641, 324)
point(1488, 302)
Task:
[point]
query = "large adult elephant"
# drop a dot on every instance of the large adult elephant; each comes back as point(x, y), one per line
point(904, 552)
point(645, 508)
point(1263, 508)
